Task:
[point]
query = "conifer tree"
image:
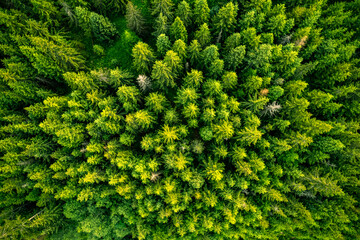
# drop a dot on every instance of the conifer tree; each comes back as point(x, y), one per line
point(203, 35)
point(184, 12)
point(134, 18)
point(178, 30)
point(225, 19)
point(163, 44)
point(163, 7)
point(163, 75)
point(143, 57)
point(201, 12)
point(161, 25)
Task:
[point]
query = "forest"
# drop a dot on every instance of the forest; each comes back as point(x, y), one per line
point(179, 119)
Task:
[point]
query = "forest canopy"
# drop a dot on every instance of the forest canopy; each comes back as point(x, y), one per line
point(179, 119)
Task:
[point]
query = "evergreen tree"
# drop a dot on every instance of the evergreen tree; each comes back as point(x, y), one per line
point(163, 44)
point(163, 75)
point(225, 19)
point(134, 18)
point(161, 25)
point(178, 30)
point(163, 7)
point(184, 12)
point(143, 57)
point(203, 35)
point(201, 12)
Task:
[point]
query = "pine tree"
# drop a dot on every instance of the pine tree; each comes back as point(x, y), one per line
point(134, 18)
point(229, 80)
point(178, 30)
point(163, 7)
point(235, 57)
point(194, 50)
point(161, 25)
point(143, 57)
point(180, 48)
point(163, 44)
point(163, 75)
point(194, 79)
point(203, 35)
point(201, 12)
point(225, 19)
point(183, 11)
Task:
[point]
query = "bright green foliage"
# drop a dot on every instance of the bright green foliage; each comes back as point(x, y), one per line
point(210, 54)
point(178, 30)
point(201, 12)
point(156, 102)
point(194, 79)
point(225, 19)
point(143, 57)
point(194, 50)
point(163, 75)
point(173, 61)
point(243, 125)
point(223, 131)
point(184, 12)
point(212, 88)
point(214, 170)
point(229, 80)
point(203, 35)
point(275, 92)
point(234, 57)
point(169, 134)
point(180, 48)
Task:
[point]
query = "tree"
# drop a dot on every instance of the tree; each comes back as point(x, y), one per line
point(163, 7)
point(180, 48)
point(156, 102)
point(163, 44)
point(235, 57)
point(143, 57)
point(173, 61)
point(249, 136)
point(52, 58)
point(183, 11)
point(169, 134)
point(223, 131)
point(193, 79)
point(95, 25)
point(214, 170)
point(229, 80)
point(161, 25)
point(233, 41)
point(225, 19)
point(210, 54)
point(194, 50)
point(201, 12)
point(178, 30)
point(134, 19)
point(203, 35)
point(163, 75)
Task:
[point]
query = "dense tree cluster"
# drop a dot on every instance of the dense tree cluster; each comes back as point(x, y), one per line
point(234, 120)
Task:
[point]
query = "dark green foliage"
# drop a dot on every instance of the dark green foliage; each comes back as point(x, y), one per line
point(231, 120)
point(95, 25)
